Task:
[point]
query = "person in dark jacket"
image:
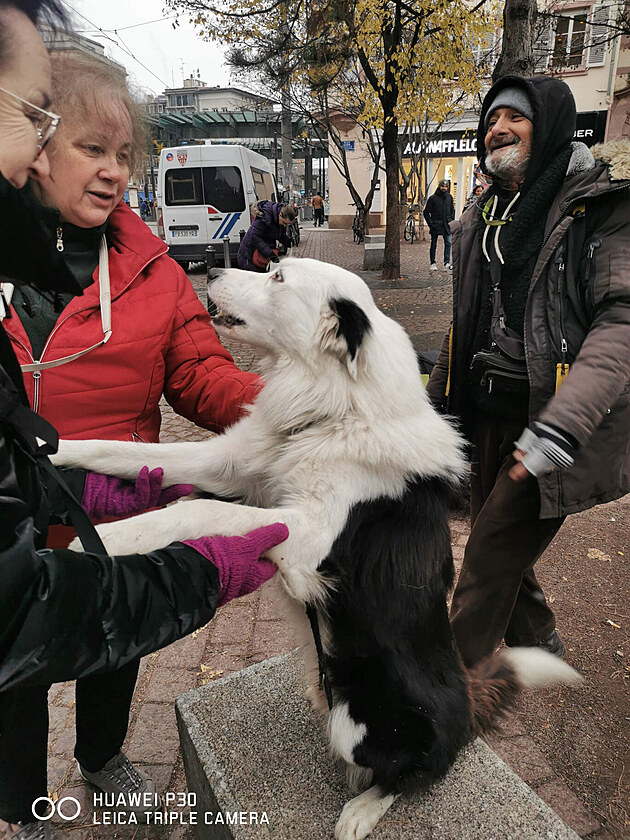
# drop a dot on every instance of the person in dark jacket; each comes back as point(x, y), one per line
point(63, 614)
point(537, 362)
point(268, 227)
point(439, 212)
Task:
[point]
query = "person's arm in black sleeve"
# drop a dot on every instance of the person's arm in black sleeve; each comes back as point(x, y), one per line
point(65, 614)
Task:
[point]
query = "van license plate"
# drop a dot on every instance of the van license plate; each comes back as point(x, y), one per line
point(191, 232)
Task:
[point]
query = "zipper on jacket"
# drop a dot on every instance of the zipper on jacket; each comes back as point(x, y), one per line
point(560, 288)
point(37, 375)
point(589, 273)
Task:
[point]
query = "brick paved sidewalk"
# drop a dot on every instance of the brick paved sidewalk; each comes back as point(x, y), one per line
point(252, 629)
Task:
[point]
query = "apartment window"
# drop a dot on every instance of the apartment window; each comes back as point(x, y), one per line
point(570, 39)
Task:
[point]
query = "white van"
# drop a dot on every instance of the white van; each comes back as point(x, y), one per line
point(204, 194)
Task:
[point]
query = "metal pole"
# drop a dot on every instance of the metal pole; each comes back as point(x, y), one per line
point(211, 258)
point(275, 153)
point(227, 262)
point(154, 202)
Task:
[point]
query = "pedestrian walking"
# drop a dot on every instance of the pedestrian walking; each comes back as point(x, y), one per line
point(65, 614)
point(318, 209)
point(537, 362)
point(439, 212)
point(268, 228)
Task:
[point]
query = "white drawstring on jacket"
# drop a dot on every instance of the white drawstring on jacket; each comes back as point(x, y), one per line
point(498, 223)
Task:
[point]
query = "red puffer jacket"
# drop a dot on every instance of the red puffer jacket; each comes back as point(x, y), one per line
point(162, 342)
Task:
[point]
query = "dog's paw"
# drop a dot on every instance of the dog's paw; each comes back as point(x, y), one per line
point(361, 814)
point(303, 585)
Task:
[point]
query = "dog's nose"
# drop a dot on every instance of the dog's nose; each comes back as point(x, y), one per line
point(214, 274)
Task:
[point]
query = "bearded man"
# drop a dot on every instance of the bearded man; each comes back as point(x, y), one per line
point(537, 362)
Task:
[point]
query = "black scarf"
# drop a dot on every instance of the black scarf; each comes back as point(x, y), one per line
point(521, 241)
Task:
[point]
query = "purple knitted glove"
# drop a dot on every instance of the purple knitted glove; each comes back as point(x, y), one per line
point(104, 495)
point(238, 559)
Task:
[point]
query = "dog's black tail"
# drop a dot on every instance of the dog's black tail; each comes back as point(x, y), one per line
point(494, 683)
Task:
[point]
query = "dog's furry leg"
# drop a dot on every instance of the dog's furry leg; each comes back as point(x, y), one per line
point(358, 778)
point(185, 521)
point(361, 814)
point(211, 465)
point(297, 558)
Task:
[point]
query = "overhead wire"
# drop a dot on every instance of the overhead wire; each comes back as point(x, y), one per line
point(124, 49)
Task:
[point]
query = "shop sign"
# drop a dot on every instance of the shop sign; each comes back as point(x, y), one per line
point(447, 144)
point(590, 129)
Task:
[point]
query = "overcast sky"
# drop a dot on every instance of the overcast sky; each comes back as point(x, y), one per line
point(157, 45)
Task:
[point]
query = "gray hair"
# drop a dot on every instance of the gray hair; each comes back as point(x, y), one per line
point(82, 85)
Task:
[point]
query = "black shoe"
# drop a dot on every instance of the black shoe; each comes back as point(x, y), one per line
point(553, 644)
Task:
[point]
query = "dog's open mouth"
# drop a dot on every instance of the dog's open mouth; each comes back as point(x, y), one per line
point(223, 319)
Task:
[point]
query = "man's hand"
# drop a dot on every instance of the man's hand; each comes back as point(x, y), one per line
point(539, 450)
point(518, 471)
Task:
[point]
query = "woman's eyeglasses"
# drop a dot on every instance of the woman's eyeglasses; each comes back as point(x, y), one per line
point(45, 122)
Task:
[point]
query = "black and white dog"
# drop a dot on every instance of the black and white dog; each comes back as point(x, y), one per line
point(343, 446)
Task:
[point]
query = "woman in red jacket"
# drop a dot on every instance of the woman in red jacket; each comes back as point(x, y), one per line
point(96, 365)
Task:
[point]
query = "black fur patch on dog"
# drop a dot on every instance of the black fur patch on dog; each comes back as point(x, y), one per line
point(354, 324)
point(393, 659)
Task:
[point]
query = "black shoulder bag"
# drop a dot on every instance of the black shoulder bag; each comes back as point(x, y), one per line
point(498, 379)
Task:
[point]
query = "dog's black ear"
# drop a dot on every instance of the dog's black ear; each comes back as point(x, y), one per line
point(354, 324)
point(344, 329)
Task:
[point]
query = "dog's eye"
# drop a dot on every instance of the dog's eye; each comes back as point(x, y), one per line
point(277, 277)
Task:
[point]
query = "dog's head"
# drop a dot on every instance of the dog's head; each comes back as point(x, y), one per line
point(303, 309)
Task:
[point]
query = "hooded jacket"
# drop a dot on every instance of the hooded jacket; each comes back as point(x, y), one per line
point(439, 212)
point(262, 235)
point(580, 292)
point(162, 342)
point(63, 614)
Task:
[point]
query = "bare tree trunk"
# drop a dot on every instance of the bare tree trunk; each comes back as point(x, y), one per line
point(391, 270)
point(517, 49)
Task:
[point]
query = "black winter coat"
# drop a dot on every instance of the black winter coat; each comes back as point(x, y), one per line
point(63, 614)
point(439, 212)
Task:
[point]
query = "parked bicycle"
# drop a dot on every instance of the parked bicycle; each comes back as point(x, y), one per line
point(293, 232)
point(410, 225)
point(358, 230)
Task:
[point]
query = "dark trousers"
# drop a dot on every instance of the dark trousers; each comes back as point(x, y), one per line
point(319, 216)
point(102, 717)
point(447, 247)
point(497, 595)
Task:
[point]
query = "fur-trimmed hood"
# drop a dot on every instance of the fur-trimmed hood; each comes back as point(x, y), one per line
point(615, 153)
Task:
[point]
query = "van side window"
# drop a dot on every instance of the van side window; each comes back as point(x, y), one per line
point(263, 185)
point(183, 186)
point(223, 188)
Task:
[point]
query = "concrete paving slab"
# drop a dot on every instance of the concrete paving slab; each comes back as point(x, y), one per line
point(252, 746)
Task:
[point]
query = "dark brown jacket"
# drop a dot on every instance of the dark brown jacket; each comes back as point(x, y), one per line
point(580, 288)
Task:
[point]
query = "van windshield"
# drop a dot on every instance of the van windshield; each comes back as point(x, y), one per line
point(219, 186)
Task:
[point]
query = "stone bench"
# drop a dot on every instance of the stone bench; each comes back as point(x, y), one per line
point(252, 744)
point(373, 252)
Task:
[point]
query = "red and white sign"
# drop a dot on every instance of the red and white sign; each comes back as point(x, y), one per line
point(182, 157)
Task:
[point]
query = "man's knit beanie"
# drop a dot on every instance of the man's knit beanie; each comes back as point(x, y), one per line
point(511, 97)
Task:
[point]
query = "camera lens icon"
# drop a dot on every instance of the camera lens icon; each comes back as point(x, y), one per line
point(61, 809)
